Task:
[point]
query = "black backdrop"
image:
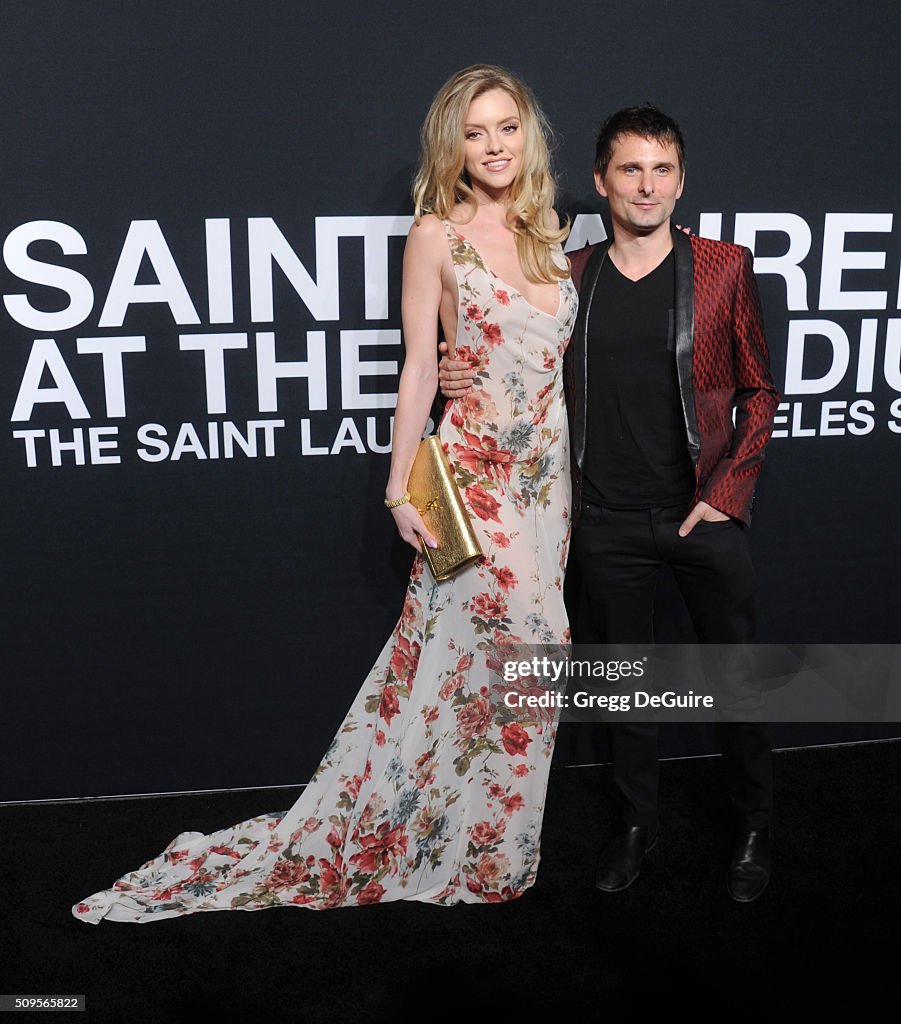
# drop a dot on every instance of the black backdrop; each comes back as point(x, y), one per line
point(179, 621)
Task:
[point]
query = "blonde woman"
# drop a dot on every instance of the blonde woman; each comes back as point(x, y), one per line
point(431, 790)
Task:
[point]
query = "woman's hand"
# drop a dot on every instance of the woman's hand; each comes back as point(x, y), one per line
point(411, 527)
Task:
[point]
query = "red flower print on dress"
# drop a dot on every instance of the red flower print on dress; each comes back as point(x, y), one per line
point(287, 874)
point(379, 738)
point(371, 894)
point(409, 615)
point(482, 457)
point(426, 770)
point(486, 834)
point(507, 893)
point(381, 849)
point(491, 868)
point(405, 659)
point(330, 879)
point(540, 404)
point(226, 851)
point(515, 738)
point(352, 785)
point(389, 705)
point(487, 606)
point(476, 406)
point(512, 803)
point(521, 771)
point(474, 718)
point(502, 297)
point(505, 577)
point(164, 895)
point(449, 687)
point(482, 503)
point(492, 334)
point(374, 807)
point(501, 539)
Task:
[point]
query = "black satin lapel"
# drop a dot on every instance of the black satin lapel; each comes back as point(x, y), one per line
point(580, 336)
point(683, 255)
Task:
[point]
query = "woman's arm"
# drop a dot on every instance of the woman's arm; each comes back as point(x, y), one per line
point(420, 301)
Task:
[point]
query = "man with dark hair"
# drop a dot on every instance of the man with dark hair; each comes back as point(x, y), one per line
point(667, 442)
point(647, 122)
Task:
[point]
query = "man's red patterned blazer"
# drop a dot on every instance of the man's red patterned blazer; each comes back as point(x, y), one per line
point(722, 363)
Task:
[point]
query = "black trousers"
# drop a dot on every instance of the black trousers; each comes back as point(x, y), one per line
point(620, 554)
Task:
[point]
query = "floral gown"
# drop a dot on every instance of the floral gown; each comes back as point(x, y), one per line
point(429, 791)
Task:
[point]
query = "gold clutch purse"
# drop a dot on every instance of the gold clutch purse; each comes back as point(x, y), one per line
point(435, 496)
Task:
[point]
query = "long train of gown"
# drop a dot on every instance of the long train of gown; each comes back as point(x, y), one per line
point(429, 791)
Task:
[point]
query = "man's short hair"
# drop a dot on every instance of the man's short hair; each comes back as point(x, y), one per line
point(646, 121)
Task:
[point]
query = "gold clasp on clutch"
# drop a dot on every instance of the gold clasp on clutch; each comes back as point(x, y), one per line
point(432, 505)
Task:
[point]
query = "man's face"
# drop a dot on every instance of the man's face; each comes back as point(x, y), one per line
point(642, 183)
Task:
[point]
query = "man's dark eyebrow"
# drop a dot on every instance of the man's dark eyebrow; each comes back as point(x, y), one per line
point(637, 163)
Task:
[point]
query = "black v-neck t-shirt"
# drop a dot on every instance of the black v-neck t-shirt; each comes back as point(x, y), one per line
point(636, 453)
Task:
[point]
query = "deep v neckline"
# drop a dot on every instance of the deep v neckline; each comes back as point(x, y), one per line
point(554, 316)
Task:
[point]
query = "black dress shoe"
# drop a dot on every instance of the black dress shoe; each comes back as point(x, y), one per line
point(620, 860)
point(749, 869)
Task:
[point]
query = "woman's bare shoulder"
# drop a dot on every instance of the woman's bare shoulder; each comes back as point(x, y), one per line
point(427, 236)
point(426, 246)
point(427, 228)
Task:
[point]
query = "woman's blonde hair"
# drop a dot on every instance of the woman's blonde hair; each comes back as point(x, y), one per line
point(441, 181)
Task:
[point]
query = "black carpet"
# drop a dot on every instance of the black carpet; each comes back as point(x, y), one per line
point(674, 940)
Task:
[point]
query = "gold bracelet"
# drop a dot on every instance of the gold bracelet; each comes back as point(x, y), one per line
point(402, 500)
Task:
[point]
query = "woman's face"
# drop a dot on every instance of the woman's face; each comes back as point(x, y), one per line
point(494, 142)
